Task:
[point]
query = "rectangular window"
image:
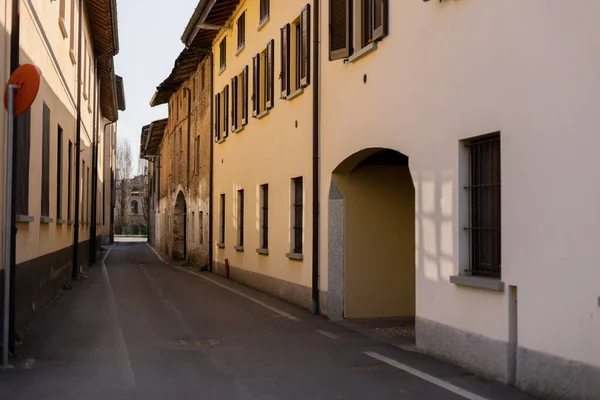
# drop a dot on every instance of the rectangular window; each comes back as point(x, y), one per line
point(103, 202)
point(244, 99)
point(240, 218)
point(297, 206)
point(87, 197)
point(201, 226)
point(62, 6)
point(45, 172)
point(69, 180)
point(89, 85)
point(484, 202)
point(234, 103)
point(241, 31)
point(264, 11)
point(22, 137)
point(222, 220)
point(225, 108)
point(197, 156)
point(59, 172)
point(263, 80)
point(264, 217)
point(295, 54)
point(193, 230)
point(72, 36)
point(218, 117)
point(223, 53)
point(85, 69)
point(81, 215)
point(354, 25)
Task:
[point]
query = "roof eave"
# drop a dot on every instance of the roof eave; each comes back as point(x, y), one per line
point(199, 17)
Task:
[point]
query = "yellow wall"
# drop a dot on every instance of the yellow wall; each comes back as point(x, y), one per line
point(5, 10)
point(271, 150)
point(379, 207)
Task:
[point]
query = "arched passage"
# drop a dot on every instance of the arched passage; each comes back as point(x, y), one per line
point(180, 228)
point(372, 236)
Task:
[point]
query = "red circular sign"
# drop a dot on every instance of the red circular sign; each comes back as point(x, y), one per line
point(27, 77)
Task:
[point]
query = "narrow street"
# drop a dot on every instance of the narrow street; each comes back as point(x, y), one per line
point(140, 328)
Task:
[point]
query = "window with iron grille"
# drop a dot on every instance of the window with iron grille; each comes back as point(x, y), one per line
point(223, 53)
point(264, 217)
point(240, 218)
point(264, 10)
point(222, 220)
point(484, 204)
point(59, 172)
point(297, 205)
point(197, 155)
point(241, 28)
point(46, 162)
point(70, 180)
point(201, 226)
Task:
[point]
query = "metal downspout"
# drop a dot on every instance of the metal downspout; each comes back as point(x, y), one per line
point(315, 165)
point(75, 271)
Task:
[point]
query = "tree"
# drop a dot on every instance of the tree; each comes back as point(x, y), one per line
point(124, 160)
point(124, 166)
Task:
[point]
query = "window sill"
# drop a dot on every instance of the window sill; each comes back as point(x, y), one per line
point(223, 68)
point(295, 256)
point(264, 252)
point(238, 130)
point(480, 282)
point(238, 248)
point(221, 245)
point(72, 55)
point(264, 22)
point(60, 221)
point(240, 49)
point(71, 222)
point(63, 27)
point(24, 218)
point(362, 52)
point(220, 141)
point(45, 220)
point(297, 93)
point(262, 114)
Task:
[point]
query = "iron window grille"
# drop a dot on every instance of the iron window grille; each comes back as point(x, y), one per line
point(484, 207)
point(240, 218)
point(264, 223)
point(222, 221)
point(298, 208)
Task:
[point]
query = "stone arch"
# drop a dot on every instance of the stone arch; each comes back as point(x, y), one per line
point(179, 249)
point(371, 236)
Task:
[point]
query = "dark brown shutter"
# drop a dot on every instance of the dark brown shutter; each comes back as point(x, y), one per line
point(46, 162)
point(217, 117)
point(305, 46)
point(255, 85)
point(226, 111)
point(270, 74)
point(285, 61)
point(22, 137)
point(339, 29)
point(379, 19)
point(234, 102)
point(245, 96)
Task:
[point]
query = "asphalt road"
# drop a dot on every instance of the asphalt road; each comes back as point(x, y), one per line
point(139, 328)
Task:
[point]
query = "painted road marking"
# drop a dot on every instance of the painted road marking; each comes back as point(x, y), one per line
point(426, 377)
point(155, 252)
point(122, 353)
point(327, 334)
point(232, 290)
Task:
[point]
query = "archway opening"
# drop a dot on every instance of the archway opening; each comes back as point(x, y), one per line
point(180, 228)
point(372, 237)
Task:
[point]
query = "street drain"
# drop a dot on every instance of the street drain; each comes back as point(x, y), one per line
point(199, 343)
point(381, 367)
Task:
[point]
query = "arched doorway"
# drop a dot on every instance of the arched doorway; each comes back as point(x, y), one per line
point(372, 236)
point(180, 228)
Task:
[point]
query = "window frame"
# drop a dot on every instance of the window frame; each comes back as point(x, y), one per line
point(297, 215)
point(45, 173)
point(223, 54)
point(59, 171)
point(221, 219)
point(240, 218)
point(264, 216)
point(264, 12)
point(241, 32)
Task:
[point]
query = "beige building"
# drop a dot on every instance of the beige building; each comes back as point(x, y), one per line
point(64, 143)
point(178, 153)
point(418, 137)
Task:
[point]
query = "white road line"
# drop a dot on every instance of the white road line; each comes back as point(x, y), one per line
point(327, 334)
point(122, 353)
point(155, 252)
point(431, 379)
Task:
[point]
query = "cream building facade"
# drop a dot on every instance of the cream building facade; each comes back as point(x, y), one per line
point(426, 136)
point(61, 207)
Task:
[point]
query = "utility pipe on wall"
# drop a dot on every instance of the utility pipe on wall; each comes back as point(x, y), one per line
point(75, 270)
point(315, 164)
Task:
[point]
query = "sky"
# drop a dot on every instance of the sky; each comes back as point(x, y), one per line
point(150, 41)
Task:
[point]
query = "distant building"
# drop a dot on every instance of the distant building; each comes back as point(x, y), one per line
point(131, 210)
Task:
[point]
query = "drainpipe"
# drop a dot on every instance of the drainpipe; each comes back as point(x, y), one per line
point(75, 270)
point(14, 64)
point(211, 141)
point(94, 193)
point(315, 164)
point(189, 126)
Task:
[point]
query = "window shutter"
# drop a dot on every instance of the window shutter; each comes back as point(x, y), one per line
point(305, 46)
point(285, 61)
point(380, 19)
point(217, 117)
point(226, 111)
point(245, 96)
point(270, 74)
point(255, 84)
point(234, 102)
point(339, 29)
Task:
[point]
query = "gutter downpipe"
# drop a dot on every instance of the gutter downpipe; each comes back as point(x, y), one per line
point(189, 133)
point(315, 164)
point(75, 271)
point(211, 184)
point(94, 169)
point(14, 64)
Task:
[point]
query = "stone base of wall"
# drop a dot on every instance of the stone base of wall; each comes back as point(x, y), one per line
point(556, 378)
point(480, 354)
point(288, 291)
